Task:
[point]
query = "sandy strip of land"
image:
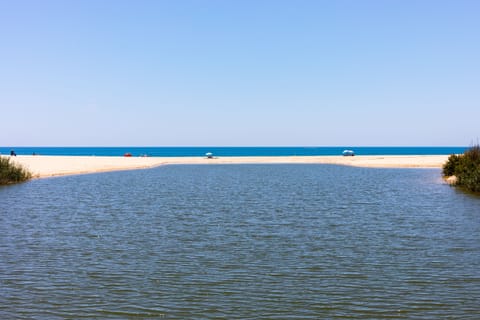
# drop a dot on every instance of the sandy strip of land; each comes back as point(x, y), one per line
point(49, 166)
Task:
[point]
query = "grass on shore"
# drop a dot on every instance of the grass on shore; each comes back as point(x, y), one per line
point(466, 169)
point(12, 173)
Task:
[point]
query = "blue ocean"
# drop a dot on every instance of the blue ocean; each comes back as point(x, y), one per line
point(229, 151)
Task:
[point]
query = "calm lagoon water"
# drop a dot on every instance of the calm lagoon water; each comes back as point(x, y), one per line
point(240, 242)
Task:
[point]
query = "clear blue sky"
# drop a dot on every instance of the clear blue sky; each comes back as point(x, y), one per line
point(239, 72)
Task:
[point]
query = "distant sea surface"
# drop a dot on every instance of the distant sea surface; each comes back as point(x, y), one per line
point(229, 151)
point(240, 242)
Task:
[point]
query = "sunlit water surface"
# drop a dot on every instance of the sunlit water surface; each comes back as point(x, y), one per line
point(240, 242)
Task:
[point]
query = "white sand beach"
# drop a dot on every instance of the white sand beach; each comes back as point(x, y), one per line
point(49, 166)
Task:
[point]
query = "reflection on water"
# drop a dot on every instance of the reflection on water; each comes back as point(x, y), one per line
point(240, 242)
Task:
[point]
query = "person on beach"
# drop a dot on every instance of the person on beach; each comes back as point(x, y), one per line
point(12, 153)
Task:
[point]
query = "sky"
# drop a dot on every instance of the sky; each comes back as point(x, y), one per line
point(239, 73)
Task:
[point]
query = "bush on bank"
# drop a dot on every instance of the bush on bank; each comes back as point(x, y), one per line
point(466, 168)
point(11, 172)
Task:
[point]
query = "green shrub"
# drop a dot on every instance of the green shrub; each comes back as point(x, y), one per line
point(450, 165)
point(471, 181)
point(11, 172)
point(473, 154)
point(466, 168)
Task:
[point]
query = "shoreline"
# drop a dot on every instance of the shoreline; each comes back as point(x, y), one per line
point(52, 166)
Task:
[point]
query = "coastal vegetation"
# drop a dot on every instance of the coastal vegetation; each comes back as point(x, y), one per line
point(11, 172)
point(465, 169)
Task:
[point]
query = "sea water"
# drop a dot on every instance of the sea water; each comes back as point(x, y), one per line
point(240, 242)
point(229, 151)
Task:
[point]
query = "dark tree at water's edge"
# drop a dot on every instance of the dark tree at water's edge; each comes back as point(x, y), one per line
point(466, 169)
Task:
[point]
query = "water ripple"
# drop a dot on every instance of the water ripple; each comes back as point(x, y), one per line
point(240, 242)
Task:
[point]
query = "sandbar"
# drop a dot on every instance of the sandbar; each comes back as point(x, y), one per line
point(50, 166)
